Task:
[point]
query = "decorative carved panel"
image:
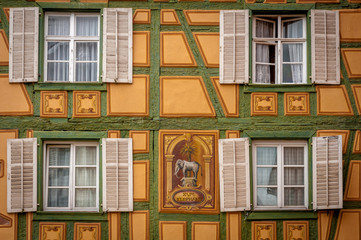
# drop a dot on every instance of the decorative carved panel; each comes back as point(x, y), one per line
point(87, 231)
point(52, 231)
point(295, 230)
point(54, 104)
point(264, 104)
point(297, 104)
point(264, 230)
point(86, 104)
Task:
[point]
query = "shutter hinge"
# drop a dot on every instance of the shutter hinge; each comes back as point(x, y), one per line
point(38, 145)
point(40, 13)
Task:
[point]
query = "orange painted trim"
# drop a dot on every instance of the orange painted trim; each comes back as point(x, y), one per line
point(62, 225)
point(195, 36)
point(52, 1)
point(228, 225)
point(194, 224)
point(29, 133)
point(162, 114)
point(275, 1)
point(78, 226)
point(147, 133)
point(147, 179)
point(3, 35)
point(129, 114)
point(94, 1)
point(53, 115)
point(350, 113)
point(328, 224)
point(147, 11)
point(30, 112)
point(348, 182)
point(305, 112)
point(345, 133)
point(162, 223)
point(285, 229)
point(113, 133)
point(222, 0)
point(29, 225)
point(147, 63)
point(8, 219)
point(317, 1)
point(347, 65)
point(77, 114)
point(2, 166)
point(235, 132)
point(163, 22)
point(7, 13)
point(146, 212)
point(227, 113)
point(190, 53)
point(340, 216)
point(255, 112)
point(161, 171)
point(111, 230)
point(200, 23)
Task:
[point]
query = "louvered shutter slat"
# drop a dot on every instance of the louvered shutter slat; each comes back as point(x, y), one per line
point(234, 174)
point(22, 172)
point(234, 46)
point(118, 174)
point(118, 45)
point(325, 47)
point(23, 44)
point(327, 172)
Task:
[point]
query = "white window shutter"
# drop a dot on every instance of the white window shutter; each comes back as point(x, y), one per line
point(234, 52)
point(234, 174)
point(117, 174)
point(21, 175)
point(327, 172)
point(23, 44)
point(325, 43)
point(118, 45)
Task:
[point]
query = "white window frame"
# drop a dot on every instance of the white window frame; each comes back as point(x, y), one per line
point(280, 144)
point(72, 39)
point(278, 41)
point(72, 145)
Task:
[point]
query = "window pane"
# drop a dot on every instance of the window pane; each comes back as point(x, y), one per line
point(265, 53)
point(294, 155)
point(58, 71)
point(264, 29)
point(265, 73)
point(86, 51)
point(85, 197)
point(267, 196)
point(85, 176)
point(59, 177)
point(86, 72)
point(292, 73)
point(294, 196)
point(87, 26)
point(58, 51)
point(59, 25)
point(293, 29)
point(85, 155)
point(266, 176)
point(292, 52)
point(58, 197)
point(293, 176)
point(266, 155)
point(59, 156)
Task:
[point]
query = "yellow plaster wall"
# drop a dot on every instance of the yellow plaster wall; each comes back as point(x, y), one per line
point(328, 104)
point(141, 43)
point(139, 225)
point(172, 230)
point(349, 225)
point(140, 141)
point(202, 17)
point(142, 16)
point(169, 17)
point(350, 30)
point(228, 95)
point(141, 181)
point(184, 97)
point(129, 99)
point(6, 232)
point(324, 224)
point(234, 226)
point(205, 230)
point(208, 45)
point(4, 49)
point(352, 60)
point(353, 184)
point(14, 99)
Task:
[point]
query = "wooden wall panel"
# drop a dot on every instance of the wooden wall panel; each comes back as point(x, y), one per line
point(139, 225)
point(172, 230)
point(205, 230)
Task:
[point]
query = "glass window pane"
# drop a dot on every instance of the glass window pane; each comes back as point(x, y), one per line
point(294, 196)
point(293, 29)
point(265, 73)
point(59, 177)
point(59, 25)
point(58, 71)
point(266, 176)
point(265, 53)
point(85, 197)
point(59, 156)
point(87, 26)
point(293, 176)
point(292, 73)
point(86, 72)
point(266, 196)
point(294, 155)
point(85, 155)
point(86, 51)
point(266, 155)
point(58, 51)
point(292, 52)
point(58, 197)
point(85, 176)
point(264, 29)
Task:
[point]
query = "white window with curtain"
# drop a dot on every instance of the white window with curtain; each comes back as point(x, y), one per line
point(279, 49)
point(71, 47)
point(71, 176)
point(280, 175)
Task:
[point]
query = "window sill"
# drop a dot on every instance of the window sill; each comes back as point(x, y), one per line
point(277, 214)
point(77, 216)
point(97, 86)
point(279, 88)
